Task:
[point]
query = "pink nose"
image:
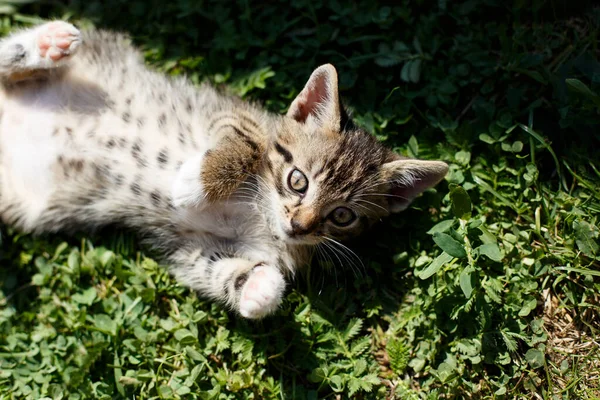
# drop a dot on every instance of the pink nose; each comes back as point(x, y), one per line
point(304, 222)
point(299, 229)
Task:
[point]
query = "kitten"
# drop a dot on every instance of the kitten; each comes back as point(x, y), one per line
point(235, 196)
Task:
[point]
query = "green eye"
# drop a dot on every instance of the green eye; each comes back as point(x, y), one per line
point(297, 181)
point(342, 216)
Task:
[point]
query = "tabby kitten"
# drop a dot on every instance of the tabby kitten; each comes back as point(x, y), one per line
point(235, 196)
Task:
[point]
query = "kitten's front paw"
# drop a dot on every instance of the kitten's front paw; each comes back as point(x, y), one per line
point(57, 40)
point(187, 190)
point(262, 293)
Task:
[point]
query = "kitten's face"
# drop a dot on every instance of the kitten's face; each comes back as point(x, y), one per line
point(324, 185)
point(325, 179)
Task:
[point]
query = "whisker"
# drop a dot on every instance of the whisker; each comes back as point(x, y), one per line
point(335, 253)
point(371, 203)
point(348, 250)
point(331, 264)
point(344, 250)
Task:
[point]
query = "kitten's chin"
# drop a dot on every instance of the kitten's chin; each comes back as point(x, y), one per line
point(294, 241)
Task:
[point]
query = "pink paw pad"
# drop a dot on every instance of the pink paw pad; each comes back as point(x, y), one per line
point(57, 40)
point(262, 292)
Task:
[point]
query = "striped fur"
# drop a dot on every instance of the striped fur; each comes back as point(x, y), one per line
point(89, 136)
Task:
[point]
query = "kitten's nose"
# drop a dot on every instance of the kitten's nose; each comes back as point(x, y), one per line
point(303, 223)
point(298, 229)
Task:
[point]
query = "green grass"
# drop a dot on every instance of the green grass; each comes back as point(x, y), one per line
point(488, 287)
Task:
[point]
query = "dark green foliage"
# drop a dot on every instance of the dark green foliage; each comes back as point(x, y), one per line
point(455, 297)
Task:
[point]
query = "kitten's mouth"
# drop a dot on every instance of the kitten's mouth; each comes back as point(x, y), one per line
point(292, 238)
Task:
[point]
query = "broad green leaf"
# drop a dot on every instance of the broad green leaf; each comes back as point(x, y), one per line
point(449, 245)
point(73, 261)
point(185, 337)
point(435, 265)
point(445, 371)
point(194, 354)
point(484, 137)
point(417, 364)
point(183, 390)
point(59, 249)
point(535, 75)
point(486, 237)
point(140, 333)
point(465, 281)
point(455, 175)
point(39, 279)
point(501, 391)
point(463, 157)
point(417, 45)
point(336, 383)
point(168, 324)
point(537, 325)
point(491, 251)
point(441, 226)
point(582, 88)
point(535, 358)
point(165, 392)
point(86, 297)
point(469, 347)
point(585, 235)
point(415, 71)
point(516, 147)
point(413, 147)
point(564, 366)
point(317, 375)
point(528, 306)
point(405, 72)
point(106, 257)
point(461, 202)
point(106, 324)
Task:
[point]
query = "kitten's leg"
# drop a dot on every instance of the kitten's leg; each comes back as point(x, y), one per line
point(216, 174)
point(253, 289)
point(35, 51)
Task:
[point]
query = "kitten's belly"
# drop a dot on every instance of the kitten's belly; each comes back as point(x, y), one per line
point(28, 152)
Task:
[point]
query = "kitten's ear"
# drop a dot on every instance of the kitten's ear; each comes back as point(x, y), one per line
point(319, 100)
point(409, 178)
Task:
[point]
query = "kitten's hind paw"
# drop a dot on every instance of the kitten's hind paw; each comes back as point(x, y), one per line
point(25, 54)
point(57, 40)
point(262, 292)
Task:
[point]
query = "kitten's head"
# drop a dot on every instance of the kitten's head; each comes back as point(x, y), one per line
point(327, 178)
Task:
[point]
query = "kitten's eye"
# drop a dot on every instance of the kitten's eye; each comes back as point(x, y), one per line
point(297, 181)
point(342, 216)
